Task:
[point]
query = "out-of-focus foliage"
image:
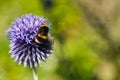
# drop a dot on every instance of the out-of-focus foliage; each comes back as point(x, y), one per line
point(86, 39)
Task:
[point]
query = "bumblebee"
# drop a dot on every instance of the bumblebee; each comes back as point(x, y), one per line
point(42, 34)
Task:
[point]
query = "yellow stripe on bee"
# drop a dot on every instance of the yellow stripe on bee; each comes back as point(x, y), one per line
point(44, 25)
point(42, 36)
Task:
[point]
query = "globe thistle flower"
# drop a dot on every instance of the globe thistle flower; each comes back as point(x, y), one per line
point(30, 41)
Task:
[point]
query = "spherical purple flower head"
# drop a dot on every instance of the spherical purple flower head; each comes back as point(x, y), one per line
point(23, 47)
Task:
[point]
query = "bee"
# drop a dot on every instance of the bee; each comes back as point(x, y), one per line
point(42, 34)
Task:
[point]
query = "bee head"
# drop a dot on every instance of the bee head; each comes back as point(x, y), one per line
point(43, 31)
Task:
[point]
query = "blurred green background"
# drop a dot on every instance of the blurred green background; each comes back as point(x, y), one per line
point(86, 35)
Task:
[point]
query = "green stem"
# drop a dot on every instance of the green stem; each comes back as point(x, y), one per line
point(35, 73)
